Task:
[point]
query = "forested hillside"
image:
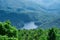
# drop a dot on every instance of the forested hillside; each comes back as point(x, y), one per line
point(10, 32)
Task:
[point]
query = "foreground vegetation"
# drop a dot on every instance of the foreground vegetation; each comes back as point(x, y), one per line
point(9, 32)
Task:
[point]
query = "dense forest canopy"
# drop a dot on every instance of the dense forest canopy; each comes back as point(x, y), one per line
point(10, 32)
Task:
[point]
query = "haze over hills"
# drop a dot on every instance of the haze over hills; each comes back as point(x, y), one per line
point(31, 13)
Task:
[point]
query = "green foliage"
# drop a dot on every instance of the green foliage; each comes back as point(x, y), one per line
point(7, 29)
point(51, 34)
point(7, 38)
point(9, 32)
point(3, 37)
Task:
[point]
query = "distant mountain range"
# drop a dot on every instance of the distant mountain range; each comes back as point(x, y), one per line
point(30, 12)
point(43, 20)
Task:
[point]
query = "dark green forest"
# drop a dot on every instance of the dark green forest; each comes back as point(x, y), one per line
point(10, 32)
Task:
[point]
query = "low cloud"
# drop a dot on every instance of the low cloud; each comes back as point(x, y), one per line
point(30, 25)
